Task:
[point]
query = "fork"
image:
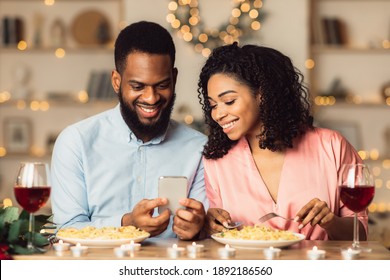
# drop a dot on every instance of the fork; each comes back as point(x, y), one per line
point(231, 225)
point(271, 215)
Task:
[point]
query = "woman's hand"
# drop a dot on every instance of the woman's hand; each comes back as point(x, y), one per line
point(315, 212)
point(216, 220)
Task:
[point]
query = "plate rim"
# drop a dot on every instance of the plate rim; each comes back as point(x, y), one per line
point(99, 242)
point(257, 244)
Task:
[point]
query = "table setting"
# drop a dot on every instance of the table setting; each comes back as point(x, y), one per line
point(237, 241)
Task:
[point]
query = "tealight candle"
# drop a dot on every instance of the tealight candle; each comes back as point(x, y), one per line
point(195, 248)
point(350, 254)
point(60, 246)
point(271, 253)
point(175, 252)
point(120, 251)
point(226, 252)
point(78, 250)
point(316, 254)
point(132, 246)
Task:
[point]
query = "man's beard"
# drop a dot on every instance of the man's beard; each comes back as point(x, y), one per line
point(141, 130)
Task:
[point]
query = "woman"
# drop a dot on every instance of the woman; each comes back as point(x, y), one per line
point(263, 152)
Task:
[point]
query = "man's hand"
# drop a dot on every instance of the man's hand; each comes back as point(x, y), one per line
point(142, 216)
point(188, 222)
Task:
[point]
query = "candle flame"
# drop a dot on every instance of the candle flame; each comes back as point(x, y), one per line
point(315, 248)
point(60, 242)
point(78, 245)
point(227, 246)
point(174, 246)
point(193, 243)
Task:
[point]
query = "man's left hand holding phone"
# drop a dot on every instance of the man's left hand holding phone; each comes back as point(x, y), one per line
point(188, 220)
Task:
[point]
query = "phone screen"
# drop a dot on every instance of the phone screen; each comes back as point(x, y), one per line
point(173, 188)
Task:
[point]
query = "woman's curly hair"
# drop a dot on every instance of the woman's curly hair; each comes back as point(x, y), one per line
point(285, 109)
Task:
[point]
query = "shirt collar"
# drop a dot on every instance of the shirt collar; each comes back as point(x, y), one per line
point(129, 134)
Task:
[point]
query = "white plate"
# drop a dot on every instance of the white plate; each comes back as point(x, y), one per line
point(256, 244)
point(108, 243)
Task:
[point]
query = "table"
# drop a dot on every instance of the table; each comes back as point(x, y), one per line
point(155, 249)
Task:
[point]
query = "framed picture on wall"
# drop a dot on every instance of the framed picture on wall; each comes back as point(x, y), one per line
point(17, 135)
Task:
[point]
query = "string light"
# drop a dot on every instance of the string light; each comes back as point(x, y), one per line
point(22, 45)
point(59, 53)
point(3, 151)
point(184, 17)
point(4, 96)
point(49, 2)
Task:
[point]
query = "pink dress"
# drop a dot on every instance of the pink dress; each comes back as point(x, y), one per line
point(310, 170)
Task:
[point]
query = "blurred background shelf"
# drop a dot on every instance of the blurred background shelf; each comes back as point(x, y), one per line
point(49, 50)
point(319, 49)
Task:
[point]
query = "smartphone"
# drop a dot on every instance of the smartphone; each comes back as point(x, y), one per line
point(173, 188)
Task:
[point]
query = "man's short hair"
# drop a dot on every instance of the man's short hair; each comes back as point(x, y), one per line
point(143, 36)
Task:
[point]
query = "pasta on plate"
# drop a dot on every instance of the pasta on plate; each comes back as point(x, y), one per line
point(104, 233)
point(258, 232)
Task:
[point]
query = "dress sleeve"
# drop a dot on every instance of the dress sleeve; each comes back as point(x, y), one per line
point(197, 190)
point(212, 187)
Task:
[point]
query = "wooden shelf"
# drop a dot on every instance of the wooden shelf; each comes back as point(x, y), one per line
point(66, 103)
point(47, 50)
point(323, 49)
point(356, 106)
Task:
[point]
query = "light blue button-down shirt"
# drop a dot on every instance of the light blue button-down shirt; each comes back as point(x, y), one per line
point(100, 170)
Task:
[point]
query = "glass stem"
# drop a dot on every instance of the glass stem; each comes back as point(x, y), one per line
point(31, 226)
point(355, 231)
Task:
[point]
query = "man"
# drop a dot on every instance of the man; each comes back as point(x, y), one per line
point(105, 169)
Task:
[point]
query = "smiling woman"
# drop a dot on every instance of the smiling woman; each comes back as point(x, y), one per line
point(257, 110)
point(224, 92)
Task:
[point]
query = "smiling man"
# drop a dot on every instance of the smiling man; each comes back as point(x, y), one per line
point(105, 168)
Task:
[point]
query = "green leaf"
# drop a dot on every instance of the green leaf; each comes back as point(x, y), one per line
point(3, 230)
point(40, 240)
point(15, 231)
point(22, 250)
point(24, 215)
point(50, 219)
point(40, 221)
point(10, 214)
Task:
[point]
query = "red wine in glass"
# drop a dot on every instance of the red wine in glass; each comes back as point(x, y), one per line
point(356, 186)
point(32, 190)
point(32, 199)
point(358, 198)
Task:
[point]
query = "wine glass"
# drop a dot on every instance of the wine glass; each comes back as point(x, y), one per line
point(32, 190)
point(356, 185)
